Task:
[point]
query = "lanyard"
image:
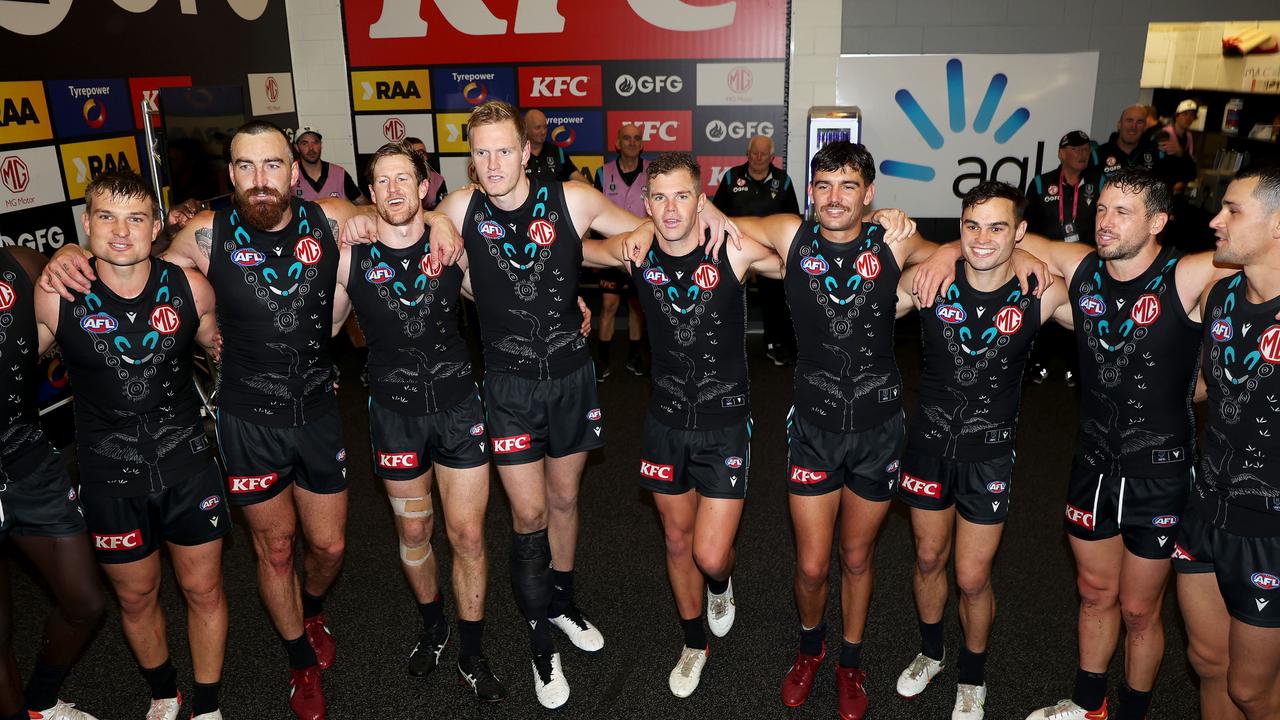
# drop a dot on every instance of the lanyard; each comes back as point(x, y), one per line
point(1075, 199)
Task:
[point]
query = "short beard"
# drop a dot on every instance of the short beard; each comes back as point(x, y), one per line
point(410, 211)
point(261, 215)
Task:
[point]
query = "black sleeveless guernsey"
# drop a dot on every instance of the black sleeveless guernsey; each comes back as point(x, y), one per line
point(22, 441)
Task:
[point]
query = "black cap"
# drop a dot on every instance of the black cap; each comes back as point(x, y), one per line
point(1074, 138)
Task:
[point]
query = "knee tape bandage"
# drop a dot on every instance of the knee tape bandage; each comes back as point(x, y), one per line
point(417, 508)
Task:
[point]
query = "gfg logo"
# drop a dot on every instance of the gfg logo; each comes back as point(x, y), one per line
point(718, 130)
point(628, 85)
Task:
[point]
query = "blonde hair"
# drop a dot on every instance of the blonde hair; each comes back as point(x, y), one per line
point(494, 112)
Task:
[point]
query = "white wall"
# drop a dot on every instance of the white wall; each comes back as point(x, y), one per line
point(815, 47)
point(320, 76)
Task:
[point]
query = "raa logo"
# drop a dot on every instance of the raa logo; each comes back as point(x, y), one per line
point(390, 90)
point(84, 161)
point(24, 116)
point(957, 115)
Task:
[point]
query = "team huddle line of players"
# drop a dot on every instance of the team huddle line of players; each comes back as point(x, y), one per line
point(1145, 318)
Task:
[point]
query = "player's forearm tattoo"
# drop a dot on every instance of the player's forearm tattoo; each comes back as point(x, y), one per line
point(333, 227)
point(204, 241)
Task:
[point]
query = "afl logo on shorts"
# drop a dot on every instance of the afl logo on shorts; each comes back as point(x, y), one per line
point(1092, 305)
point(7, 296)
point(379, 274)
point(706, 276)
point(1221, 330)
point(1165, 521)
point(430, 267)
point(165, 319)
point(733, 462)
point(997, 486)
point(248, 257)
point(868, 265)
point(1264, 581)
point(307, 250)
point(210, 502)
point(1008, 320)
point(655, 276)
point(491, 230)
point(542, 232)
point(341, 456)
point(1269, 344)
point(98, 323)
point(815, 265)
point(477, 430)
point(594, 415)
point(950, 314)
point(1145, 310)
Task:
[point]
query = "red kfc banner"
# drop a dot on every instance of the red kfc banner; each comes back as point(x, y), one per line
point(420, 32)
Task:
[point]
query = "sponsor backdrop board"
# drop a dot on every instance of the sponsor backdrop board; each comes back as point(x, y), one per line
point(701, 77)
point(944, 123)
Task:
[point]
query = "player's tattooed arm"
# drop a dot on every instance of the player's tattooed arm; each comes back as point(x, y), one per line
point(333, 227)
point(204, 240)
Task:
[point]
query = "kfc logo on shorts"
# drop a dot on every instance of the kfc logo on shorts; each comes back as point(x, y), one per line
point(491, 230)
point(1008, 320)
point(210, 502)
point(1180, 554)
point(868, 265)
point(594, 415)
point(125, 541)
point(1146, 310)
point(1080, 517)
point(241, 484)
point(733, 462)
point(398, 461)
point(1092, 305)
point(805, 476)
point(307, 250)
point(477, 430)
point(511, 444)
point(1165, 521)
point(1221, 330)
point(1264, 581)
point(997, 486)
point(654, 471)
point(7, 296)
point(542, 232)
point(164, 319)
point(921, 487)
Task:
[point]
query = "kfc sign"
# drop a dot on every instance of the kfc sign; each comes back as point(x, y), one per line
point(398, 461)
point(131, 540)
point(656, 471)
point(805, 476)
point(560, 86)
point(660, 131)
point(512, 444)
point(243, 484)
point(923, 488)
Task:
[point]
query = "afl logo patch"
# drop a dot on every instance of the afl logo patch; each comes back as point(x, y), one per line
point(594, 415)
point(733, 462)
point(1221, 331)
point(379, 274)
point(98, 323)
point(491, 230)
point(248, 257)
point(815, 265)
point(950, 314)
point(655, 276)
point(1092, 305)
point(210, 502)
point(477, 430)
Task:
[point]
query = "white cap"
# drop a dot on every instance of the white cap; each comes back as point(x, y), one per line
point(1186, 106)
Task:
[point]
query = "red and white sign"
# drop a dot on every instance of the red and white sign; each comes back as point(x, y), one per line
point(1083, 518)
point(1146, 310)
point(1269, 344)
point(804, 476)
point(30, 178)
point(706, 276)
point(511, 444)
point(868, 265)
point(713, 169)
point(561, 86)
point(307, 250)
point(542, 232)
point(660, 130)
point(241, 484)
point(1009, 320)
point(148, 88)
point(741, 83)
point(14, 173)
point(271, 93)
point(374, 131)
point(165, 320)
point(7, 296)
point(393, 129)
point(923, 488)
point(398, 461)
point(656, 471)
point(430, 266)
point(122, 541)
point(421, 32)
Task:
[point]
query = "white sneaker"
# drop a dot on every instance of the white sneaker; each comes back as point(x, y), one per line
point(552, 691)
point(165, 709)
point(579, 630)
point(916, 677)
point(1068, 710)
point(688, 672)
point(215, 715)
point(969, 700)
point(721, 611)
point(62, 711)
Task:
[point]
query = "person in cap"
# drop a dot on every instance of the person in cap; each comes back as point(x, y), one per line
point(320, 178)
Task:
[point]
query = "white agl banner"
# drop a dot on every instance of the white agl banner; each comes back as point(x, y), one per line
point(939, 124)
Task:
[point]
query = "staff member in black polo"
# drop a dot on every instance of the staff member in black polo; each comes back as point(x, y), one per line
point(1129, 146)
point(1062, 205)
point(758, 188)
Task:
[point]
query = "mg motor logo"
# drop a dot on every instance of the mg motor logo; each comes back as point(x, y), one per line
point(241, 484)
point(655, 471)
point(655, 276)
point(950, 314)
point(430, 267)
point(165, 319)
point(1269, 344)
point(14, 174)
point(7, 296)
point(1146, 310)
point(514, 443)
point(1264, 581)
point(398, 461)
point(868, 265)
point(628, 85)
point(124, 541)
point(248, 257)
point(740, 79)
point(98, 323)
point(1221, 330)
point(273, 89)
point(379, 274)
point(1093, 305)
point(1008, 320)
point(492, 230)
point(393, 129)
point(804, 476)
point(923, 488)
point(706, 276)
point(814, 265)
point(1083, 518)
point(307, 250)
point(542, 232)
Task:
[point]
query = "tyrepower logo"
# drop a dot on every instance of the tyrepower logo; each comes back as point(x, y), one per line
point(383, 90)
point(398, 461)
point(1083, 518)
point(242, 484)
point(124, 541)
point(660, 131)
point(923, 488)
point(656, 471)
point(463, 88)
point(804, 476)
point(24, 116)
point(512, 444)
point(560, 86)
